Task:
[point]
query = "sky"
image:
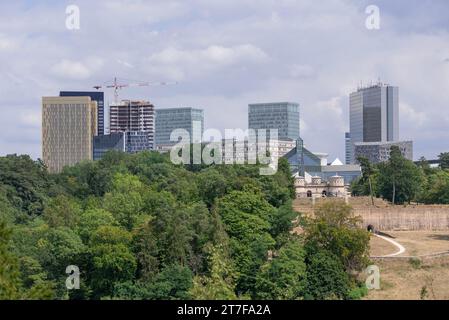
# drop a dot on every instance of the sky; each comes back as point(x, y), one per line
point(226, 54)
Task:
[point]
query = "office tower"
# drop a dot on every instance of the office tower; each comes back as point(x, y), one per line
point(95, 96)
point(348, 148)
point(68, 127)
point(168, 120)
point(374, 115)
point(134, 116)
point(377, 152)
point(283, 116)
point(105, 143)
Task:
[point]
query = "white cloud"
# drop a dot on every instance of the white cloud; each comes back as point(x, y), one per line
point(227, 54)
point(412, 117)
point(179, 63)
point(31, 118)
point(301, 71)
point(77, 70)
point(6, 43)
point(71, 70)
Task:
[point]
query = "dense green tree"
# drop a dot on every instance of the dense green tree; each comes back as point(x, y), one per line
point(326, 277)
point(9, 267)
point(20, 279)
point(437, 188)
point(145, 247)
point(62, 211)
point(400, 180)
point(284, 278)
point(90, 220)
point(173, 283)
point(367, 172)
point(219, 283)
point(246, 215)
point(336, 230)
point(444, 160)
point(112, 260)
point(211, 185)
point(7, 212)
point(26, 182)
point(59, 248)
point(125, 201)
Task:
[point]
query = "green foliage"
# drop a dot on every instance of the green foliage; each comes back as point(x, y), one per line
point(400, 180)
point(173, 283)
point(444, 158)
point(112, 259)
point(284, 278)
point(336, 230)
point(9, 267)
point(358, 292)
point(62, 211)
point(436, 188)
point(26, 183)
point(139, 227)
point(326, 276)
point(219, 284)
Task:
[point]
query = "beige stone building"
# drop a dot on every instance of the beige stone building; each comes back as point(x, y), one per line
point(68, 127)
point(316, 187)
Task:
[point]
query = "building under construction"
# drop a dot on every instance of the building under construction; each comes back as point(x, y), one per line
point(136, 117)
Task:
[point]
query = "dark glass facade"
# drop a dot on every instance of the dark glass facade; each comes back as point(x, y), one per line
point(95, 96)
point(105, 143)
point(283, 116)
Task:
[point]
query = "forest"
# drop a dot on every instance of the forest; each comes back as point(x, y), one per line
point(139, 227)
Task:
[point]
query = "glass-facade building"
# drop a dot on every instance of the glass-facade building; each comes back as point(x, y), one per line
point(374, 115)
point(283, 116)
point(168, 120)
point(95, 96)
point(105, 143)
point(137, 142)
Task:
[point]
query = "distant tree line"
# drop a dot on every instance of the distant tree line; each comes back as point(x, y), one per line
point(402, 181)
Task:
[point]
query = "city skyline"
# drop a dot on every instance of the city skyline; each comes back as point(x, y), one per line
point(226, 55)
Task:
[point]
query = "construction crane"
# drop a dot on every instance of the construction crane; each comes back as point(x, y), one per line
point(118, 86)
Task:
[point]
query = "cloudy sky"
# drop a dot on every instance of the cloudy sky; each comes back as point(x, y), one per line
point(227, 54)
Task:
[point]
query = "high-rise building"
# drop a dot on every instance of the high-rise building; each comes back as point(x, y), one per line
point(283, 116)
point(168, 120)
point(134, 116)
point(68, 127)
point(95, 96)
point(374, 115)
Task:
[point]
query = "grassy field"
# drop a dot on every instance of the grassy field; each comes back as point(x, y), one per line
point(413, 279)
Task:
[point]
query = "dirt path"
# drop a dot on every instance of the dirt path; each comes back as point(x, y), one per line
point(400, 248)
